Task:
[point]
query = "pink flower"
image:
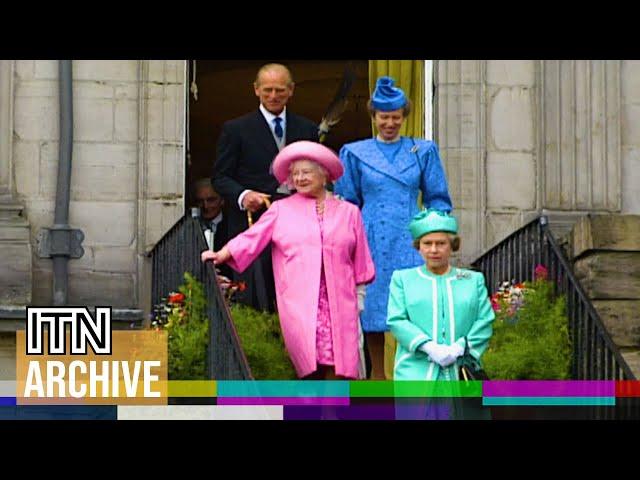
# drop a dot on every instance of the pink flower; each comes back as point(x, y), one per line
point(494, 302)
point(541, 272)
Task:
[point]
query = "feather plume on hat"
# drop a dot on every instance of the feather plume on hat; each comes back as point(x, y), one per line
point(338, 105)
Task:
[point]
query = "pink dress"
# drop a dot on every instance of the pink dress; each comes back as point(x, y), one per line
point(324, 342)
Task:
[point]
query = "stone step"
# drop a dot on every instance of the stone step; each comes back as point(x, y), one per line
point(606, 232)
point(632, 357)
point(7, 356)
point(621, 318)
point(561, 223)
point(10, 211)
point(610, 275)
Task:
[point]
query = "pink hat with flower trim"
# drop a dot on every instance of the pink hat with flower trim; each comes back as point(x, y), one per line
point(306, 150)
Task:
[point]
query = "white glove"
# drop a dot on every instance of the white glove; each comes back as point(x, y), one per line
point(443, 355)
point(456, 351)
point(435, 351)
point(362, 292)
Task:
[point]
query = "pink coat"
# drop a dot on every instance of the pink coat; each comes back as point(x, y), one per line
point(291, 225)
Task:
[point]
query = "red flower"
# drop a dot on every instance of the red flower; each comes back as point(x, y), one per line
point(176, 298)
point(495, 303)
point(242, 286)
point(541, 272)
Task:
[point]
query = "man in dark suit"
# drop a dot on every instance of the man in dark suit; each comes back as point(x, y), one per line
point(242, 172)
point(212, 218)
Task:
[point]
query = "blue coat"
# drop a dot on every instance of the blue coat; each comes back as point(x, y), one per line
point(387, 193)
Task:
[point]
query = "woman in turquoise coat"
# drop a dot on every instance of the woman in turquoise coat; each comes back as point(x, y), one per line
point(383, 176)
point(436, 308)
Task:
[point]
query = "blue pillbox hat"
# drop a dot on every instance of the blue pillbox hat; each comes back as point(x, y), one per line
point(386, 97)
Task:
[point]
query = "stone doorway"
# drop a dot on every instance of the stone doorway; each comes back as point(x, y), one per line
point(225, 91)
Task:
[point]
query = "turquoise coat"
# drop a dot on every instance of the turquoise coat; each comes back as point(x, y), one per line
point(387, 192)
point(444, 308)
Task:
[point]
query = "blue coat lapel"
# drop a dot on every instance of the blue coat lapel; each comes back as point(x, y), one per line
point(400, 170)
point(405, 160)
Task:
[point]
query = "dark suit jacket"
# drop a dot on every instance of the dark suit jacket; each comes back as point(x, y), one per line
point(245, 151)
point(219, 240)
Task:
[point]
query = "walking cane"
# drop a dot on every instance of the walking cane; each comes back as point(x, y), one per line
point(250, 218)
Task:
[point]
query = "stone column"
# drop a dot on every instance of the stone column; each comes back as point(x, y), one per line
point(581, 136)
point(161, 167)
point(511, 146)
point(15, 260)
point(459, 130)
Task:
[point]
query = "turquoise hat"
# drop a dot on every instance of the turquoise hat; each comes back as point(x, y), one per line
point(387, 97)
point(431, 220)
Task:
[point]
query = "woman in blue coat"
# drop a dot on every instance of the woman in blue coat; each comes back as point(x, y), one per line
point(383, 176)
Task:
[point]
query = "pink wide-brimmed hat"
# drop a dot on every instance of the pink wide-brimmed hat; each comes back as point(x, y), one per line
point(305, 150)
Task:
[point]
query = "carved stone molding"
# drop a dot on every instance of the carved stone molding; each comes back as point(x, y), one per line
point(15, 261)
point(6, 128)
point(580, 135)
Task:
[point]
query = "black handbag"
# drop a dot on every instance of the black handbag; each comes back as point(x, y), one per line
point(470, 368)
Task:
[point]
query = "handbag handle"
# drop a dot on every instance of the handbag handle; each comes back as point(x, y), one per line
point(463, 370)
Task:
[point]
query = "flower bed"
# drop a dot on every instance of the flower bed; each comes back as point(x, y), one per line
point(183, 315)
point(530, 334)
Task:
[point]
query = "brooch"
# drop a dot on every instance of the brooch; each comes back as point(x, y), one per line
point(414, 149)
point(460, 275)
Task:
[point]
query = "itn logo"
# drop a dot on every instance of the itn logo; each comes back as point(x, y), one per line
point(85, 330)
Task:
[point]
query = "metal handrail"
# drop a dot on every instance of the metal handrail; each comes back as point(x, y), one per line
point(177, 252)
point(595, 355)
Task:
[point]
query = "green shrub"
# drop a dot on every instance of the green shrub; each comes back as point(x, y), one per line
point(533, 342)
point(183, 315)
point(262, 343)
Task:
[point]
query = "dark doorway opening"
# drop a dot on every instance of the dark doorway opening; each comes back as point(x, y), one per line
point(225, 91)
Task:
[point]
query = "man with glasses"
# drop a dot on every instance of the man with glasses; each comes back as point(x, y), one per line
point(212, 218)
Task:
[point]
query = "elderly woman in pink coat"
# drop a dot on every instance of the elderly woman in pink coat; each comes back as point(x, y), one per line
point(320, 257)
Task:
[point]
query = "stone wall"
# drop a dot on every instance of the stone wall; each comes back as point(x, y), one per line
point(522, 136)
point(128, 168)
point(606, 251)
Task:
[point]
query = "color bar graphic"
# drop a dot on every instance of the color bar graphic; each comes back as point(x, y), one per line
point(549, 388)
point(284, 388)
point(192, 388)
point(344, 401)
point(548, 401)
point(199, 412)
point(415, 389)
